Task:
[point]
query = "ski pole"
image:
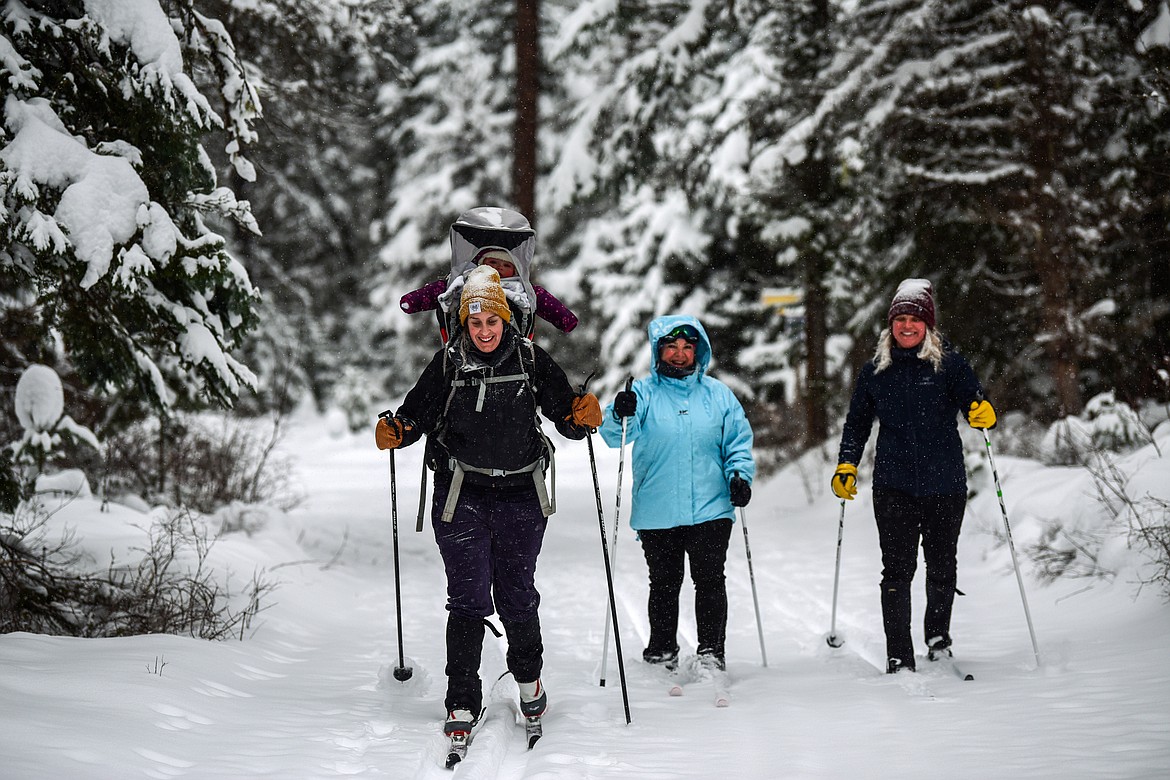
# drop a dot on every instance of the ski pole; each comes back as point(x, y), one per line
point(617, 513)
point(833, 639)
point(617, 634)
point(402, 672)
point(752, 576)
point(1011, 546)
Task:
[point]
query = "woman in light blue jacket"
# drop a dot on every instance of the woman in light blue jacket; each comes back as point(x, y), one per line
point(692, 459)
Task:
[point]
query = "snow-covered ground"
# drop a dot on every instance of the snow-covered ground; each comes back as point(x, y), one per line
point(311, 693)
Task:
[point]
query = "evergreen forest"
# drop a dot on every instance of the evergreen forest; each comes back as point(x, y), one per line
point(290, 168)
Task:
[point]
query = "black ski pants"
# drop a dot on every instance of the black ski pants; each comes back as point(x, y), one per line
point(489, 552)
point(903, 523)
point(666, 551)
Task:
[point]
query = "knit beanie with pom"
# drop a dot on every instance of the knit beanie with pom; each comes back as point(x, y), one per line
point(916, 297)
point(482, 293)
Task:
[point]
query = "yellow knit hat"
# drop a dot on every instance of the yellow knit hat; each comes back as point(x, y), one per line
point(482, 293)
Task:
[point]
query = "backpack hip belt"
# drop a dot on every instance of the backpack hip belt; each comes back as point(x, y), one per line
point(547, 501)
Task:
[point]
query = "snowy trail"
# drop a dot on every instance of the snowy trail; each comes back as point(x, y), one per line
point(311, 695)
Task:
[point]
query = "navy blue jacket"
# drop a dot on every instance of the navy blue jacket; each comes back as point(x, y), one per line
point(919, 452)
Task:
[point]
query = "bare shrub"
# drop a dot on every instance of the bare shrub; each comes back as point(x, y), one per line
point(200, 462)
point(1070, 548)
point(47, 587)
point(1147, 520)
point(1069, 552)
point(1150, 526)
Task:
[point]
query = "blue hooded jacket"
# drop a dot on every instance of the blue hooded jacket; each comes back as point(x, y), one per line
point(689, 436)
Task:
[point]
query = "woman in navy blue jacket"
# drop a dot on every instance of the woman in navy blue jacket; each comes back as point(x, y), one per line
point(915, 386)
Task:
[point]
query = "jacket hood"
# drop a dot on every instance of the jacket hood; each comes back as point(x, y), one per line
point(660, 326)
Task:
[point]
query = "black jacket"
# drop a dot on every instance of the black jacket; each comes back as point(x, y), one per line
point(919, 451)
point(501, 430)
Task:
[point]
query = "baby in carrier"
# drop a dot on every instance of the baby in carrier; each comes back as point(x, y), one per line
point(504, 240)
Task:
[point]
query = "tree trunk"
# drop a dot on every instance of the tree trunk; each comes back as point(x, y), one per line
point(527, 99)
point(1053, 248)
point(817, 186)
point(1056, 309)
point(816, 395)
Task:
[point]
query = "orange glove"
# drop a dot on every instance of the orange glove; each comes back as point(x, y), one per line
point(981, 415)
point(586, 412)
point(844, 482)
point(388, 433)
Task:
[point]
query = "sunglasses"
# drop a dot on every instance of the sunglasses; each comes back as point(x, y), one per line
point(685, 332)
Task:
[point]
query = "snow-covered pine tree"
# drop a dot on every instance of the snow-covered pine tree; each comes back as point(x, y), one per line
point(1133, 251)
point(799, 199)
point(450, 129)
point(106, 261)
point(319, 67)
point(645, 172)
point(662, 159)
point(817, 164)
point(995, 177)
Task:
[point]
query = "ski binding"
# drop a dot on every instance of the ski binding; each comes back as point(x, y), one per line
point(533, 730)
point(458, 749)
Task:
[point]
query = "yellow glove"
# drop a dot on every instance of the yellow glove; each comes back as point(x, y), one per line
point(388, 433)
point(586, 412)
point(844, 482)
point(981, 415)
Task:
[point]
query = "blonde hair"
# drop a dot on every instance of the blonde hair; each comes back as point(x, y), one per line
point(931, 349)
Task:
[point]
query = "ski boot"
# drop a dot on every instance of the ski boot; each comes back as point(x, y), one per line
point(895, 665)
point(938, 648)
point(667, 658)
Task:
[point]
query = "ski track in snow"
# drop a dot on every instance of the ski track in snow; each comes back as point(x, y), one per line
point(312, 693)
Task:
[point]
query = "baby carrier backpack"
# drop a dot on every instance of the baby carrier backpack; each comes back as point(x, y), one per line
point(475, 233)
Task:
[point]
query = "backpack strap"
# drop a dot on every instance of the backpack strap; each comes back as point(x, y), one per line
point(548, 498)
point(483, 382)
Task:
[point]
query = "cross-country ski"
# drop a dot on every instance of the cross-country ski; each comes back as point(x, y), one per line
point(945, 659)
point(533, 730)
point(692, 675)
point(457, 751)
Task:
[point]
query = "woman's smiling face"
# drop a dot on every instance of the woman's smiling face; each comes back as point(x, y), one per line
point(486, 330)
point(679, 353)
point(908, 330)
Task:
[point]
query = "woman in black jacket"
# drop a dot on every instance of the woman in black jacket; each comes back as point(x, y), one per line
point(477, 402)
point(915, 386)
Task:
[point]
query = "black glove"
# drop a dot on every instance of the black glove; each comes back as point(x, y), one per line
point(625, 403)
point(741, 491)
